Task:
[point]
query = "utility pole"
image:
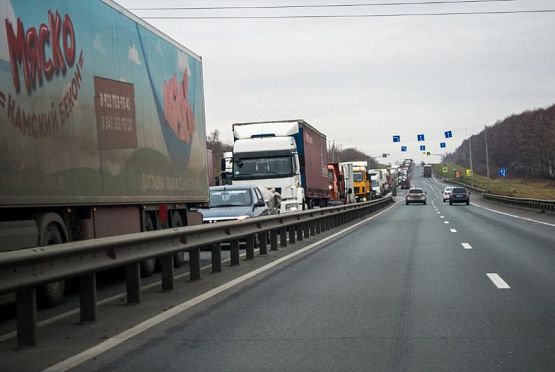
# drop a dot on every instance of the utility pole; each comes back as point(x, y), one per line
point(487, 155)
point(471, 167)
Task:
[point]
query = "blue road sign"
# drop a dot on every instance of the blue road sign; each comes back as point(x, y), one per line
point(503, 172)
point(442, 145)
point(420, 137)
point(403, 148)
point(396, 138)
point(422, 147)
point(448, 134)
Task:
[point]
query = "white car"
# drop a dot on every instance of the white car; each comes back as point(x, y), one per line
point(447, 193)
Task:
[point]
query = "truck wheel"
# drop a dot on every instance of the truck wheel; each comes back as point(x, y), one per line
point(450, 203)
point(467, 202)
point(52, 294)
point(179, 257)
point(148, 266)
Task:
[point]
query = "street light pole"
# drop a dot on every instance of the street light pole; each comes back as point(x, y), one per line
point(487, 155)
point(471, 167)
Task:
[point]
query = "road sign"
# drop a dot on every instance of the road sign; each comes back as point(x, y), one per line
point(403, 148)
point(396, 138)
point(445, 170)
point(420, 137)
point(469, 172)
point(422, 147)
point(448, 134)
point(442, 145)
point(503, 172)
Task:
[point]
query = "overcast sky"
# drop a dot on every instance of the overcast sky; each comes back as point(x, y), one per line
point(362, 80)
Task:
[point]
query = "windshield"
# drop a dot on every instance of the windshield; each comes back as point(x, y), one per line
point(330, 176)
point(375, 183)
point(416, 191)
point(245, 169)
point(459, 190)
point(230, 198)
point(357, 176)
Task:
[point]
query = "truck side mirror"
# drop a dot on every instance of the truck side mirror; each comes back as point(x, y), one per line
point(349, 191)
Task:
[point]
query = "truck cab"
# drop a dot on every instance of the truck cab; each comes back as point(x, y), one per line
point(361, 181)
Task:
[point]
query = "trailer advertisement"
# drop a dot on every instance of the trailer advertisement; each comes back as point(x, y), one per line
point(95, 104)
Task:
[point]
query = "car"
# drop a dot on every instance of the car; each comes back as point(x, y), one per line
point(415, 195)
point(447, 193)
point(234, 202)
point(459, 195)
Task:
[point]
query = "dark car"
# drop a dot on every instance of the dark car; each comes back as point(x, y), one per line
point(416, 196)
point(459, 195)
point(232, 202)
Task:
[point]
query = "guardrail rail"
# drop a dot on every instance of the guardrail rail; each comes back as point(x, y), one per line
point(22, 271)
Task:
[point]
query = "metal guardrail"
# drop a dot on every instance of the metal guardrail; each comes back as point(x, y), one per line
point(22, 271)
point(539, 204)
point(544, 205)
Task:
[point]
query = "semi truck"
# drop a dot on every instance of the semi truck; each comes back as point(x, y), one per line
point(427, 172)
point(102, 127)
point(362, 188)
point(288, 156)
point(347, 170)
point(336, 184)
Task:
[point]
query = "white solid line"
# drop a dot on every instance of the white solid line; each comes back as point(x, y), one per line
point(446, 222)
point(498, 281)
point(512, 215)
point(466, 246)
point(453, 230)
point(112, 342)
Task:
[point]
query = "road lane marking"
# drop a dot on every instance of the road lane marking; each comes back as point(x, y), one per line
point(498, 281)
point(453, 230)
point(438, 212)
point(446, 222)
point(441, 216)
point(466, 246)
point(135, 330)
point(514, 216)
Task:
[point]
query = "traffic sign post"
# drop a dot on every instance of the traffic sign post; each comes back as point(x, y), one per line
point(503, 172)
point(448, 134)
point(420, 137)
point(422, 147)
point(445, 170)
point(403, 148)
point(442, 145)
point(469, 172)
point(396, 138)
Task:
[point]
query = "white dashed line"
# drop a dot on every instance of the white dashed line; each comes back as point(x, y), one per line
point(453, 230)
point(446, 222)
point(466, 246)
point(498, 281)
point(441, 217)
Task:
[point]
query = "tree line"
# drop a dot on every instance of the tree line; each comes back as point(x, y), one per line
point(524, 144)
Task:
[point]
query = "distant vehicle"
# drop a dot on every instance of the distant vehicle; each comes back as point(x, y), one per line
point(459, 195)
point(447, 193)
point(347, 171)
point(363, 190)
point(416, 196)
point(404, 183)
point(231, 202)
point(336, 184)
point(427, 171)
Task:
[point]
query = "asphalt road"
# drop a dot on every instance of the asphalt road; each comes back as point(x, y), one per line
point(401, 293)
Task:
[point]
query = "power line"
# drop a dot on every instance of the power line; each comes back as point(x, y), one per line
point(325, 5)
point(358, 15)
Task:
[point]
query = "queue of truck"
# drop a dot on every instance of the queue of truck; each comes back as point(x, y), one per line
point(96, 144)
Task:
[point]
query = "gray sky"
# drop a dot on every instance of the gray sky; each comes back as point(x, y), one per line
point(362, 80)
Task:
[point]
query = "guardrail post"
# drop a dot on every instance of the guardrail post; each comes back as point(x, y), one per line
point(194, 264)
point(216, 257)
point(166, 267)
point(318, 225)
point(88, 297)
point(283, 237)
point(234, 252)
point(273, 240)
point(306, 228)
point(26, 305)
point(263, 240)
point(312, 225)
point(299, 228)
point(133, 283)
point(250, 247)
point(292, 234)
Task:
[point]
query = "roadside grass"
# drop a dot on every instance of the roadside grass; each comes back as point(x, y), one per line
point(516, 187)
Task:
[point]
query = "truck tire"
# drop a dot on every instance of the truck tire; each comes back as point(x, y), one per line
point(148, 266)
point(52, 294)
point(179, 257)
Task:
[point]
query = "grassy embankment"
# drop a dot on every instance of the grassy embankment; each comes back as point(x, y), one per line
point(516, 187)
